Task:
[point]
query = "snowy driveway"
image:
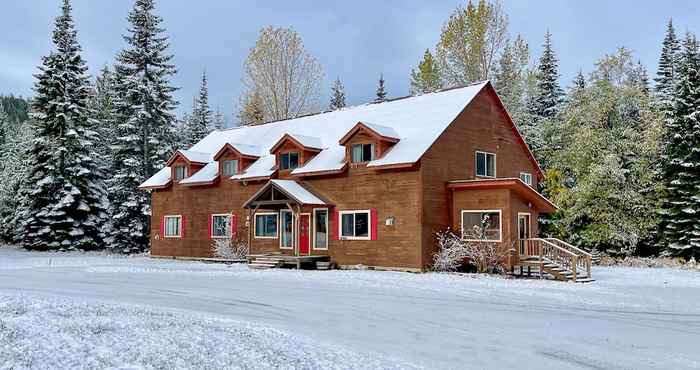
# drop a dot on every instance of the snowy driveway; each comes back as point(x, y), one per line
point(628, 319)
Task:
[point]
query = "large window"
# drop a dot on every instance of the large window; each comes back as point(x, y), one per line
point(320, 229)
point(286, 223)
point(481, 225)
point(526, 177)
point(220, 226)
point(362, 153)
point(180, 172)
point(289, 161)
point(229, 167)
point(485, 164)
point(354, 225)
point(173, 226)
point(266, 225)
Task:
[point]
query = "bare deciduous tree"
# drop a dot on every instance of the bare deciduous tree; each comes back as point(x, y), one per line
point(284, 76)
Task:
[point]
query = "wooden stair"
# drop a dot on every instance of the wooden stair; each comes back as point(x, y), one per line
point(263, 263)
point(556, 259)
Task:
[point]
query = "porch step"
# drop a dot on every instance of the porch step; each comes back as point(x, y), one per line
point(265, 263)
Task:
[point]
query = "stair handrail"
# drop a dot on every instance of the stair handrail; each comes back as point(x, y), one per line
point(584, 262)
point(557, 254)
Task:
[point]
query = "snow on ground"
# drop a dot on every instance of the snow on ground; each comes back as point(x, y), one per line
point(629, 318)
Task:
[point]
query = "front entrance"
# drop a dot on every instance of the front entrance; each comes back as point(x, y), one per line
point(304, 238)
point(523, 231)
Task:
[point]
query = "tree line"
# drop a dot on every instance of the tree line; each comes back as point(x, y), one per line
point(621, 155)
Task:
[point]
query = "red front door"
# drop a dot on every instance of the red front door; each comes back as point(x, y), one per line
point(304, 239)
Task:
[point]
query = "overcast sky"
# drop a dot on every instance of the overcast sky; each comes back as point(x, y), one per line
point(354, 40)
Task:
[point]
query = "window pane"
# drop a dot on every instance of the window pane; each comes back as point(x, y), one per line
point(526, 177)
point(221, 226)
point(286, 229)
point(491, 165)
point(230, 167)
point(180, 172)
point(172, 226)
point(321, 229)
point(284, 161)
point(293, 160)
point(480, 164)
point(481, 225)
point(367, 152)
point(356, 153)
point(361, 224)
point(270, 225)
point(348, 228)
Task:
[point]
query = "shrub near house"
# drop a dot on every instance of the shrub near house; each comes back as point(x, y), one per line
point(365, 185)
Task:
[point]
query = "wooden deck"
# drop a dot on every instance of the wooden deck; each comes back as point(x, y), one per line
point(272, 260)
point(555, 258)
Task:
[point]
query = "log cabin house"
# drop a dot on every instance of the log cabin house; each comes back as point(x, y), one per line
point(367, 185)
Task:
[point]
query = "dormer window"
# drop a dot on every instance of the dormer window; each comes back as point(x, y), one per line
point(180, 172)
point(229, 167)
point(361, 153)
point(289, 161)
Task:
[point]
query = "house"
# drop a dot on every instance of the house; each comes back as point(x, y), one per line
point(366, 185)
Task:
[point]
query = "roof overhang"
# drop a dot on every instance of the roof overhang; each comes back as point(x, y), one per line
point(156, 187)
point(287, 191)
point(180, 154)
point(524, 190)
point(288, 137)
point(232, 148)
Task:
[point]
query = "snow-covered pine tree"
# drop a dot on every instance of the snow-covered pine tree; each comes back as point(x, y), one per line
point(381, 90)
point(219, 120)
point(579, 81)
point(202, 111)
point(550, 93)
point(427, 78)
point(511, 80)
point(101, 110)
point(666, 74)
point(13, 170)
point(337, 95)
point(145, 125)
point(4, 125)
point(680, 210)
point(63, 199)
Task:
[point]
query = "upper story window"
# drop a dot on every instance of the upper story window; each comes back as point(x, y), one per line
point(229, 167)
point(361, 153)
point(180, 172)
point(526, 177)
point(485, 164)
point(289, 161)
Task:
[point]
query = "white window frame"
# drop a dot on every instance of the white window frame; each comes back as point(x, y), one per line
point(184, 172)
point(328, 233)
point(279, 229)
point(528, 174)
point(362, 145)
point(165, 226)
point(369, 225)
point(229, 231)
point(223, 166)
point(500, 224)
point(476, 164)
point(255, 225)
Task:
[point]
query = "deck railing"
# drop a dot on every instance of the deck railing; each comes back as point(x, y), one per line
point(542, 248)
point(584, 259)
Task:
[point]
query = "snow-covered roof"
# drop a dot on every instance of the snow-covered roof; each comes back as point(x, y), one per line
point(331, 159)
point(417, 121)
point(297, 191)
point(247, 149)
point(263, 167)
point(385, 131)
point(207, 174)
point(196, 156)
point(160, 179)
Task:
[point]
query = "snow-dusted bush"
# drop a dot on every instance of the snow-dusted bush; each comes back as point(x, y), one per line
point(486, 256)
point(230, 248)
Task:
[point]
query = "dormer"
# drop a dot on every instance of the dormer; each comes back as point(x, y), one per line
point(293, 151)
point(366, 142)
point(234, 158)
point(185, 163)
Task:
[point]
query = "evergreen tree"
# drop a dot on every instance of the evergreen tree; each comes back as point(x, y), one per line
point(145, 124)
point(202, 111)
point(666, 74)
point(680, 211)
point(511, 80)
point(549, 92)
point(14, 163)
point(219, 120)
point(381, 90)
point(63, 199)
point(579, 82)
point(337, 95)
point(427, 78)
point(101, 109)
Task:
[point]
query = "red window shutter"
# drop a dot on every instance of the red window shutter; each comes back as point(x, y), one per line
point(162, 226)
point(373, 223)
point(234, 226)
point(335, 226)
point(210, 223)
point(182, 226)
